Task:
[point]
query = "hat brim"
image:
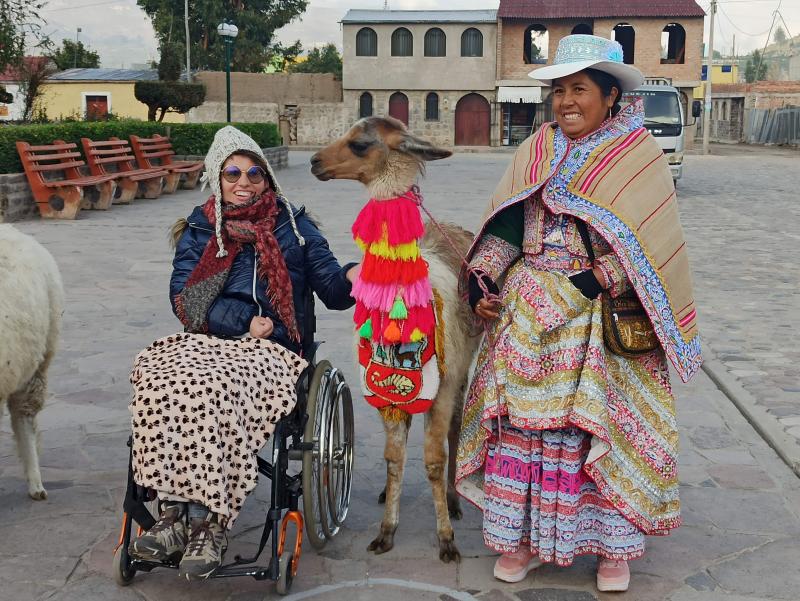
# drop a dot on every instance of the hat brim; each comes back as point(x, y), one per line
point(629, 77)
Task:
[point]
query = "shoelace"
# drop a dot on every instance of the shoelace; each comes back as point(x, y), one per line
point(199, 534)
point(166, 522)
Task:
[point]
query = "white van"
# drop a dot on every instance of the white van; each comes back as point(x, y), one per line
point(664, 119)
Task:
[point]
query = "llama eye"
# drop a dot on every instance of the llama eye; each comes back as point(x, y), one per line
point(358, 148)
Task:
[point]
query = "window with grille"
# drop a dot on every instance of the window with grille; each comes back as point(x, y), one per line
point(366, 42)
point(432, 107)
point(435, 42)
point(365, 105)
point(402, 42)
point(472, 42)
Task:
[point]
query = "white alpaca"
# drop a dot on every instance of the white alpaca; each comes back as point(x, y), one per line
point(31, 303)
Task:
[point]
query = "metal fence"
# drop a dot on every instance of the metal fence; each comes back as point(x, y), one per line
point(773, 126)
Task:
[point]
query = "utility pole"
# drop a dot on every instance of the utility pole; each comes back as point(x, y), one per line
point(709, 62)
point(188, 42)
point(75, 56)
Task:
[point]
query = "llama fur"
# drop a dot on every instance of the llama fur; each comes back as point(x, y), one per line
point(381, 153)
point(31, 304)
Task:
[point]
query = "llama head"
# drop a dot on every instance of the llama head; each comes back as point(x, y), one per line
point(380, 153)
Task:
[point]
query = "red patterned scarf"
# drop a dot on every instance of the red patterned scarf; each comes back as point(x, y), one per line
point(249, 223)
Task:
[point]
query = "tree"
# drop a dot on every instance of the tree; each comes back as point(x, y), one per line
point(756, 68)
point(168, 95)
point(257, 20)
point(320, 60)
point(32, 72)
point(71, 55)
point(19, 22)
point(283, 56)
point(780, 35)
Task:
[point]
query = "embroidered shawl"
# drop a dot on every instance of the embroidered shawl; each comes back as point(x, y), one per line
point(618, 181)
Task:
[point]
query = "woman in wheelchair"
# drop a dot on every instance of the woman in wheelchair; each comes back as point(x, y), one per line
point(205, 401)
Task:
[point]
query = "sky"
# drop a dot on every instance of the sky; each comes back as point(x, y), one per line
point(123, 36)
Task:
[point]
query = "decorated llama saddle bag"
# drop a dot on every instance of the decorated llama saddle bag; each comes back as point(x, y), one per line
point(399, 348)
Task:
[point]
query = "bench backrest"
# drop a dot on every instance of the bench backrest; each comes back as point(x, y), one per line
point(108, 156)
point(42, 161)
point(152, 152)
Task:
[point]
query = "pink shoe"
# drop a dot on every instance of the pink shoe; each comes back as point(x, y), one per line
point(612, 575)
point(514, 567)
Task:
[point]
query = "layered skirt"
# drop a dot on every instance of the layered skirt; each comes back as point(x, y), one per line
point(202, 408)
point(583, 440)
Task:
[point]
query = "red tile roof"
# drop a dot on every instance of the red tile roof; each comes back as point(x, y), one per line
point(11, 74)
point(762, 87)
point(576, 9)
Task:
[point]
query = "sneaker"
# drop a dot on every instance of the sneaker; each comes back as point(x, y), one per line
point(612, 575)
point(514, 567)
point(166, 540)
point(207, 544)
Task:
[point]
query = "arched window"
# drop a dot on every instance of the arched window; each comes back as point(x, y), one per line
point(626, 36)
point(435, 42)
point(582, 28)
point(365, 105)
point(535, 45)
point(471, 42)
point(366, 42)
point(402, 42)
point(432, 107)
point(673, 45)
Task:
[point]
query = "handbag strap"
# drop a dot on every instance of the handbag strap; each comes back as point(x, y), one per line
point(583, 229)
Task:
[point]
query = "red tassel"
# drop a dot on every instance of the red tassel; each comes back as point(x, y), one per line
point(378, 270)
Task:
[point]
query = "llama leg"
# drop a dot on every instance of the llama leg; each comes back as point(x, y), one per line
point(395, 455)
point(453, 500)
point(23, 407)
point(437, 426)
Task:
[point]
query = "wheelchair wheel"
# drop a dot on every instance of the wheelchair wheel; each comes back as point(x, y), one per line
point(328, 468)
point(123, 572)
point(285, 577)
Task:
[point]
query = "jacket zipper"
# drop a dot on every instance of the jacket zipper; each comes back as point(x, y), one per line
point(255, 274)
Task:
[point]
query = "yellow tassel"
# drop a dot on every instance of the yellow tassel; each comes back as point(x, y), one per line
point(392, 414)
point(403, 252)
point(417, 335)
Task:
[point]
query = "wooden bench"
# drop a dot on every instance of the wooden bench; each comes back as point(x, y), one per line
point(157, 152)
point(114, 157)
point(62, 197)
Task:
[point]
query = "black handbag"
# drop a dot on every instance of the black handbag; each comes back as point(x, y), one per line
point(627, 330)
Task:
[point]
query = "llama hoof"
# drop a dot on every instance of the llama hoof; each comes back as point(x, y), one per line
point(37, 494)
point(454, 506)
point(448, 551)
point(383, 543)
point(382, 497)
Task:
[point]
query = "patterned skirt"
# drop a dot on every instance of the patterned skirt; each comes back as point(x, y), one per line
point(202, 408)
point(548, 369)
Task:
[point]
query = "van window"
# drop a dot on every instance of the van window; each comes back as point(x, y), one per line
point(659, 107)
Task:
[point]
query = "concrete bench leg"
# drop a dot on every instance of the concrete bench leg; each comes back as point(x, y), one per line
point(151, 188)
point(171, 183)
point(189, 180)
point(99, 197)
point(63, 203)
point(126, 191)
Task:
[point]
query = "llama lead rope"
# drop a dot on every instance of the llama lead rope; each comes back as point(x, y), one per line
point(416, 196)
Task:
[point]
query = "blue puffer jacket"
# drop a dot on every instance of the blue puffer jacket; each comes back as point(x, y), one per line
point(244, 296)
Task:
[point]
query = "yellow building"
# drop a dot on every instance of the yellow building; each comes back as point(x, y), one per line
point(722, 71)
point(82, 93)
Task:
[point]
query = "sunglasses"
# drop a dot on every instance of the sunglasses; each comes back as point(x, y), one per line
point(255, 174)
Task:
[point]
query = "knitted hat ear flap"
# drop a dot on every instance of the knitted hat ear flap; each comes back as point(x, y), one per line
point(218, 228)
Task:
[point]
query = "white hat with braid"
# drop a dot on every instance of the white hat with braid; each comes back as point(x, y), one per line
point(228, 141)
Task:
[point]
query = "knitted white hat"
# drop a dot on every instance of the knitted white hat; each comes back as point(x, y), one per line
point(228, 141)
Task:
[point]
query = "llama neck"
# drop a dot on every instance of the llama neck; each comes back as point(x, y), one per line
point(398, 176)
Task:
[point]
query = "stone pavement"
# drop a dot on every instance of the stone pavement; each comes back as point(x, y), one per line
point(741, 504)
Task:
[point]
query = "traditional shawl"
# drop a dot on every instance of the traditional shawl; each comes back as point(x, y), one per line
point(618, 181)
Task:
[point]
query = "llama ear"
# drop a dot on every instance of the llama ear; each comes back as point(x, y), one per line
point(422, 149)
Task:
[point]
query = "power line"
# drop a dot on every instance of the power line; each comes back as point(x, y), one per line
point(740, 30)
point(107, 2)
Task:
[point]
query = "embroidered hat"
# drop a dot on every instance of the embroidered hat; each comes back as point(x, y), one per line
point(228, 141)
point(578, 52)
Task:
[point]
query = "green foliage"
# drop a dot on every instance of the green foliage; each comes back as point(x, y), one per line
point(257, 20)
point(71, 55)
point(20, 23)
point(283, 56)
point(779, 36)
point(186, 138)
point(162, 97)
point(320, 60)
point(756, 68)
point(170, 64)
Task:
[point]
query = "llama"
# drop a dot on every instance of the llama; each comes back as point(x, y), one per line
point(31, 303)
point(381, 153)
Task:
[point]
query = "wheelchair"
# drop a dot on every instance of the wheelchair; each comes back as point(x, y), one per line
point(317, 434)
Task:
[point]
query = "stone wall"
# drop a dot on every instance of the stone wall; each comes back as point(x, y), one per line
point(321, 124)
point(16, 200)
point(17, 203)
point(277, 88)
point(242, 112)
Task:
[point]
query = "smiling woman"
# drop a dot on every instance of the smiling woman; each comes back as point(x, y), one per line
point(547, 451)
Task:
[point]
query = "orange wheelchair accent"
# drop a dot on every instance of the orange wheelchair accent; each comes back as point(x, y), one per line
point(297, 518)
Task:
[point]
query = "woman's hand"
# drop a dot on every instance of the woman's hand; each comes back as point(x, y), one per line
point(261, 327)
point(601, 277)
point(488, 310)
point(352, 273)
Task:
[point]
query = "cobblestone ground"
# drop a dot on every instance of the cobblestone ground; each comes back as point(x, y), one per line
point(741, 504)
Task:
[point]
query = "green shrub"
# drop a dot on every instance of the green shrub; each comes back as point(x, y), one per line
point(163, 97)
point(186, 138)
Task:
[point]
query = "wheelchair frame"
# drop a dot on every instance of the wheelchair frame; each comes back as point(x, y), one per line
point(318, 432)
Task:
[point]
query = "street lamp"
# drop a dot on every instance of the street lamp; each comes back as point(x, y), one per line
point(228, 31)
point(77, 34)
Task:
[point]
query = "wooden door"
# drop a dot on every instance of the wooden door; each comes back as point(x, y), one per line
point(473, 121)
point(96, 108)
point(398, 107)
